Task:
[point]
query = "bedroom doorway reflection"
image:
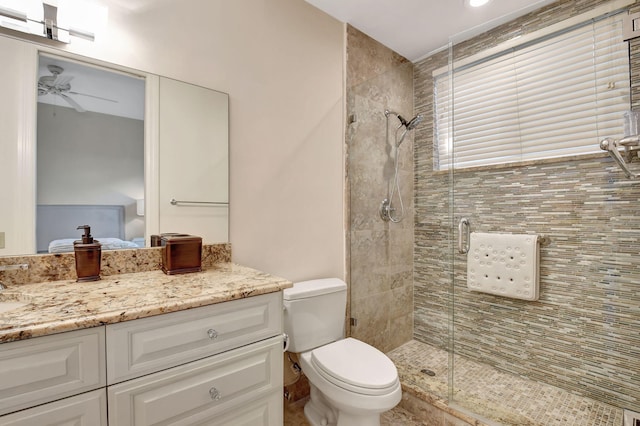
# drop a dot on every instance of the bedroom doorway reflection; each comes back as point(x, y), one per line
point(90, 155)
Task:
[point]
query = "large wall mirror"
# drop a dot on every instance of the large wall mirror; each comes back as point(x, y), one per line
point(110, 147)
point(90, 155)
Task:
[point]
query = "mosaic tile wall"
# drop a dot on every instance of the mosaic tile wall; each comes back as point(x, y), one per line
point(380, 253)
point(584, 333)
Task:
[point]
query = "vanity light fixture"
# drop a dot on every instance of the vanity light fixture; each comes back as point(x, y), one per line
point(55, 20)
point(476, 3)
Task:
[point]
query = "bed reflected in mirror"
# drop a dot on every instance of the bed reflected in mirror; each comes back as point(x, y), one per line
point(90, 156)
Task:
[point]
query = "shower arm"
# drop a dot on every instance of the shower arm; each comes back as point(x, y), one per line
point(402, 121)
point(611, 146)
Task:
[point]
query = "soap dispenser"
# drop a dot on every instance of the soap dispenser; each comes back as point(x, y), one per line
point(88, 253)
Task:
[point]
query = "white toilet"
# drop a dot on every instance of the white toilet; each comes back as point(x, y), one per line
point(351, 381)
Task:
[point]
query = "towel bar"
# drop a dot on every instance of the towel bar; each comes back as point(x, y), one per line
point(175, 202)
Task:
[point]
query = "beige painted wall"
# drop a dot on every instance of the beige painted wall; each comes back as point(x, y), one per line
point(281, 61)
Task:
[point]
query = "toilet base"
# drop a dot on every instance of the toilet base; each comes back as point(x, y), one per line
point(320, 413)
point(317, 411)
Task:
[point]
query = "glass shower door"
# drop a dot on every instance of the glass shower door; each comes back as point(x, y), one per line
point(570, 356)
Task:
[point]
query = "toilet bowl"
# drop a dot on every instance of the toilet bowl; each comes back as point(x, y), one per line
point(356, 380)
point(351, 382)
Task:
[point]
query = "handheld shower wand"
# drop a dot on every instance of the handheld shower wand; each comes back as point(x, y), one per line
point(412, 124)
point(386, 208)
point(408, 125)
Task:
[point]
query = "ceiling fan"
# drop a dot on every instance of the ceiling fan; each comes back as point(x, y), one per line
point(60, 85)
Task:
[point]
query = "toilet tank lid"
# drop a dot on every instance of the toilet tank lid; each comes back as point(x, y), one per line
point(304, 289)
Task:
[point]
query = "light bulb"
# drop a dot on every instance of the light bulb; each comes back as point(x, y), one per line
point(477, 3)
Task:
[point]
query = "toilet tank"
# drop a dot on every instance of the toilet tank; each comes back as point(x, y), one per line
point(314, 313)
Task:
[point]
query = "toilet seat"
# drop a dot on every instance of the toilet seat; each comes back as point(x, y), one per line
point(355, 366)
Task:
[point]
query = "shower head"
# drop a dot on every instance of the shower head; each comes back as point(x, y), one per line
point(414, 122)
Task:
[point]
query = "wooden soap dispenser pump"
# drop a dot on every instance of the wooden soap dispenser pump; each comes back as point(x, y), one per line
point(88, 254)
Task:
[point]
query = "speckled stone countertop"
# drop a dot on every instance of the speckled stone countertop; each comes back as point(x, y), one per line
point(57, 306)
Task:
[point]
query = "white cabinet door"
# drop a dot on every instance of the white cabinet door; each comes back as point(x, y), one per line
point(224, 385)
point(42, 369)
point(151, 344)
point(87, 409)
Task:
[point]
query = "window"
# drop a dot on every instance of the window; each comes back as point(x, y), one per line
point(553, 95)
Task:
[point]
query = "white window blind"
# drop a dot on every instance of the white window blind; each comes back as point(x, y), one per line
point(553, 97)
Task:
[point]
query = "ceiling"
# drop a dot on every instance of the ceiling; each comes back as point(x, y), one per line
point(417, 28)
point(96, 89)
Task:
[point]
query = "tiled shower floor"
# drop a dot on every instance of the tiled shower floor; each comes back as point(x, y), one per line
point(497, 396)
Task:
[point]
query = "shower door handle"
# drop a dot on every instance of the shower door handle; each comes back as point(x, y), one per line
point(464, 230)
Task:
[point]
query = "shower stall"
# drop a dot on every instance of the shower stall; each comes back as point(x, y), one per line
point(570, 357)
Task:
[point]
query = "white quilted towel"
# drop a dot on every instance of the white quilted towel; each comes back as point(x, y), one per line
point(504, 264)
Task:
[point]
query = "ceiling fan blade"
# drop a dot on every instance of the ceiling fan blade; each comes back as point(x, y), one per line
point(72, 102)
point(92, 96)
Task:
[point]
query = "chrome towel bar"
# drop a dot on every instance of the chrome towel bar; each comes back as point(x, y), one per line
point(175, 202)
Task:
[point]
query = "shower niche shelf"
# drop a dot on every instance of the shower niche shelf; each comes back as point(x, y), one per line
point(623, 151)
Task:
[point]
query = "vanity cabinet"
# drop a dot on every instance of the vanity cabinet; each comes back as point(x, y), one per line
point(216, 365)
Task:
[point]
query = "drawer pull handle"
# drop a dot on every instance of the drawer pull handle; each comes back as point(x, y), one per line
point(215, 394)
point(212, 334)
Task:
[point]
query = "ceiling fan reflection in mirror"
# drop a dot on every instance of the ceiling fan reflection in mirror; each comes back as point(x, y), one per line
point(60, 85)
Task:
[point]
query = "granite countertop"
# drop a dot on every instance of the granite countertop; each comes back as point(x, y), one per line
point(58, 306)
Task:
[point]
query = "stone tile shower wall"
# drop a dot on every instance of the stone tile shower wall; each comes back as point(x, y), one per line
point(380, 253)
point(584, 332)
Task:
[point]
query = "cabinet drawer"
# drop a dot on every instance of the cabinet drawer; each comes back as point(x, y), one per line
point(43, 369)
point(265, 411)
point(87, 409)
point(151, 344)
point(192, 393)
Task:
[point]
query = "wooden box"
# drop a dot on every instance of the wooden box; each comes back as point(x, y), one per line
point(181, 253)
